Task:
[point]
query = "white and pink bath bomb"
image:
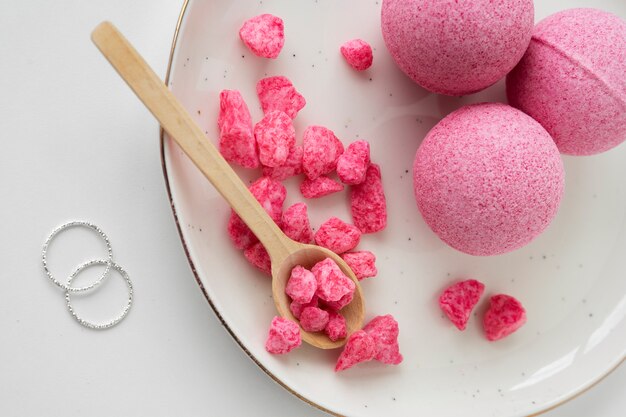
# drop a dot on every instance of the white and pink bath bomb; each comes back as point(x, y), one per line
point(457, 47)
point(572, 80)
point(488, 179)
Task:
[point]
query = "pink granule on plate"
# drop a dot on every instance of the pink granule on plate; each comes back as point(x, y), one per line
point(505, 316)
point(283, 337)
point(296, 224)
point(275, 137)
point(313, 319)
point(362, 263)
point(332, 283)
point(337, 235)
point(353, 163)
point(336, 328)
point(237, 143)
point(291, 167)
point(384, 330)
point(358, 54)
point(319, 187)
point(296, 308)
point(278, 93)
point(264, 35)
point(458, 301)
point(360, 347)
point(368, 203)
point(239, 233)
point(258, 256)
point(322, 149)
point(301, 285)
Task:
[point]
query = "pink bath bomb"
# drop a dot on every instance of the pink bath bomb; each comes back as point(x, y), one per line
point(457, 47)
point(572, 80)
point(488, 179)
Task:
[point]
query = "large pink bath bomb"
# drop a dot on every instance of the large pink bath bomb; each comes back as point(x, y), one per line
point(488, 179)
point(572, 80)
point(457, 47)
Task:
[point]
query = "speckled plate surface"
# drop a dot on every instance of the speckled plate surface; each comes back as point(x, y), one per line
point(571, 279)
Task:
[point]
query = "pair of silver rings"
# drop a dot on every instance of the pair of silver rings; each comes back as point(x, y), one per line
point(108, 264)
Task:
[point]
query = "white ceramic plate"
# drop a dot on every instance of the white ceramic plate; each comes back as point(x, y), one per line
point(571, 279)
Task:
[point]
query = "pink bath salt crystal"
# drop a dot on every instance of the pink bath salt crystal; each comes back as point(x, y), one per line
point(337, 235)
point(358, 54)
point(296, 307)
point(336, 306)
point(360, 347)
point(301, 285)
point(296, 223)
point(362, 263)
point(278, 93)
point(275, 138)
point(353, 163)
point(458, 301)
point(264, 35)
point(368, 203)
point(322, 149)
point(313, 319)
point(336, 328)
point(384, 330)
point(283, 337)
point(291, 167)
point(258, 256)
point(271, 194)
point(332, 283)
point(319, 187)
point(237, 143)
point(505, 315)
point(240, 233)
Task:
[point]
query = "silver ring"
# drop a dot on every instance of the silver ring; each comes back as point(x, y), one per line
point(59, 229)
point(116, 320)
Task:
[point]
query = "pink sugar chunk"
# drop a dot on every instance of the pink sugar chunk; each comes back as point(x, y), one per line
point(237, 143)
point(362, 263)
point(271, 194)
point(258, 256)
point(278, 93)
point(458, 301)
point(384, 330)
point(360, 347)
point(291, 167)
point(301, 285)
point(275, 138)
point(296, 223)
point(358, 54)
point(505, 316)
point(332, 283)
point(353, 163)
point(337, 235)
point(336, 306)
point(313, 319)
point(296, 307)
point(239, 232)
point(368, 203)
point(283, 337)
point(264, 35)
point(322, 149)
point(319, 187)
point(336, 328)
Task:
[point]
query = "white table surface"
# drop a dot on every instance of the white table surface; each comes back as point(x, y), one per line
point(78, 145)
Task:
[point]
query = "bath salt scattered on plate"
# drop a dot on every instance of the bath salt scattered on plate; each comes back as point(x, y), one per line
point(505, 316)
point(336, 328)
point(322, 149)
point(240, 234)
point(332, 283)
point(264, 35)
point(337, 235)
point(237, 143)
point(313, 319)
point(358, 54)
point(458, 301)
point(353, 163)
point(368, 203)
point(360, 347)
point(362, 263)
point(271, 194)
point(384, 330)
point(278, 93)
point(301, 285)
point(291, 167)
point(296, 224)
point(258, 256)
point(283, 337)
point(319, 187)
point(296, 307)
point(275, 137)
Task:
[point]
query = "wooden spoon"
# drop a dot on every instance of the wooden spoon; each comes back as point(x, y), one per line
point(284, 252)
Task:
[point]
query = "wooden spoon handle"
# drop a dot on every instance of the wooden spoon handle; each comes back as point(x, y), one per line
point(179, 125)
